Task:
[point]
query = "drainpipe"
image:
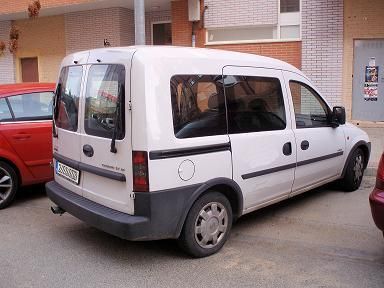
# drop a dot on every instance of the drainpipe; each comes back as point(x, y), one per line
point(139, 22)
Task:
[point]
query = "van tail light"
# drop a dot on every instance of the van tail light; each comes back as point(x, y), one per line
point(380, 174)
point(140, 171)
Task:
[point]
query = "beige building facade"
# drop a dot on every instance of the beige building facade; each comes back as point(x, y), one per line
point(42, 38)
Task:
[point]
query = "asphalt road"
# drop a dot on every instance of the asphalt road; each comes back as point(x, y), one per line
point(324, 238)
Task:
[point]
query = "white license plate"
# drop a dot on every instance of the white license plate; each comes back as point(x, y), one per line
point(67, 172)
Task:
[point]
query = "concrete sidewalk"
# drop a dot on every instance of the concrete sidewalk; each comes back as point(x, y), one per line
point(376, 135)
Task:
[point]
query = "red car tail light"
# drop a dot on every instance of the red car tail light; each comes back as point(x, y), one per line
point(380, 174)
point(140, 171)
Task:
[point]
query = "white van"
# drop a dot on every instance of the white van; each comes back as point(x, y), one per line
point(166, 142)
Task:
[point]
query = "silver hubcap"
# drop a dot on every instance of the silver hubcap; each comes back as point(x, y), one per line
point(5, 184)
point(358, 169)
point(211, 225)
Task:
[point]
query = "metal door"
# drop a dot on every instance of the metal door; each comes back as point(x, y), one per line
point(29, 70)
point(368, 80)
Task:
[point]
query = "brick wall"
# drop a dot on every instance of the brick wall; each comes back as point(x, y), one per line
point(362, 20)
point(240, 12)
point(7, 66)
point(181, 27)
point(287, 51)
point(126, 27)
point(322, 46)
point(88, 29)
point(42, 38)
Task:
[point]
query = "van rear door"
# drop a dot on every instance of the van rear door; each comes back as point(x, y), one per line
point(107, 167)
point(66, 127)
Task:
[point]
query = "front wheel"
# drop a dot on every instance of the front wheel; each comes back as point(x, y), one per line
point(8, 184)
point(207, 225)
point(354, 172)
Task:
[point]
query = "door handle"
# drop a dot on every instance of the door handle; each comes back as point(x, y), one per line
point(304, 145)
point(88, 150)
point(21, 136)
point(287, 149)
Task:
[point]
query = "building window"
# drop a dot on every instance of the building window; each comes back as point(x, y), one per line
point(290, 32)
point(242, 34)
point(289, 6)
point(287, 28)
point(290, 19)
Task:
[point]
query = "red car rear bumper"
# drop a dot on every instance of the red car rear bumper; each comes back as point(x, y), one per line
point(376, 199)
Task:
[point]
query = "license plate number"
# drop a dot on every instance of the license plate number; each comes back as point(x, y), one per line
point(67, 172)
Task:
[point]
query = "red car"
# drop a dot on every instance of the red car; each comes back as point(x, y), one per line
point(25, 137)
point(376, 199)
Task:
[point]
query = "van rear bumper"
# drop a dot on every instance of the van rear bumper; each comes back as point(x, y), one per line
point(106, 219)
point(158, 214)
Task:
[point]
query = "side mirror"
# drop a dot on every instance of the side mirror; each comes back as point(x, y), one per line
point(338, 116)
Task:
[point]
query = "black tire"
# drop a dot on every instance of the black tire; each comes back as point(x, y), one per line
point(193, 242)
point(8, 176)
point(354, 172)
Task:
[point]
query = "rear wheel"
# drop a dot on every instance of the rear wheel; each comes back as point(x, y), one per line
point(8, 184)
point(207, 225)
point(354, 172)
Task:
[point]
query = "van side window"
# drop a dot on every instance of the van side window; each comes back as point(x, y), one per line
point(104, 95)
point(310, 110)
point(67, 99)
point(198, 105)
point(254, 104)
point(33, 106)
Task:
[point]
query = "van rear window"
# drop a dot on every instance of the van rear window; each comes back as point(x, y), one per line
point(104, 101)
point(198, 105)
point(67, 106)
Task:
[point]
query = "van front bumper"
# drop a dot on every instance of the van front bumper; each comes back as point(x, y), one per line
point(158, 215)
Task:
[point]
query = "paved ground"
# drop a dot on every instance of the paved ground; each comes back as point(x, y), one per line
point(376, 136)
point(325, 238)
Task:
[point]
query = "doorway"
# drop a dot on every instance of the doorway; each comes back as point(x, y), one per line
point(29, 69)
point(162, 33)
point(368, 80)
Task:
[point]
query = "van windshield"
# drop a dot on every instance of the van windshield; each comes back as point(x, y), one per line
point(67, 98)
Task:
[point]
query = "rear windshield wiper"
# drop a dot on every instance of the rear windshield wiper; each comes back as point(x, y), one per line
point(118, 118)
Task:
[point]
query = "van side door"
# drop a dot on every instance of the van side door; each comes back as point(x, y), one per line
point(259, 127)
point(320, 148)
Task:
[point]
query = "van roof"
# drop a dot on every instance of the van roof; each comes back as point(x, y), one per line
point(172, 52)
